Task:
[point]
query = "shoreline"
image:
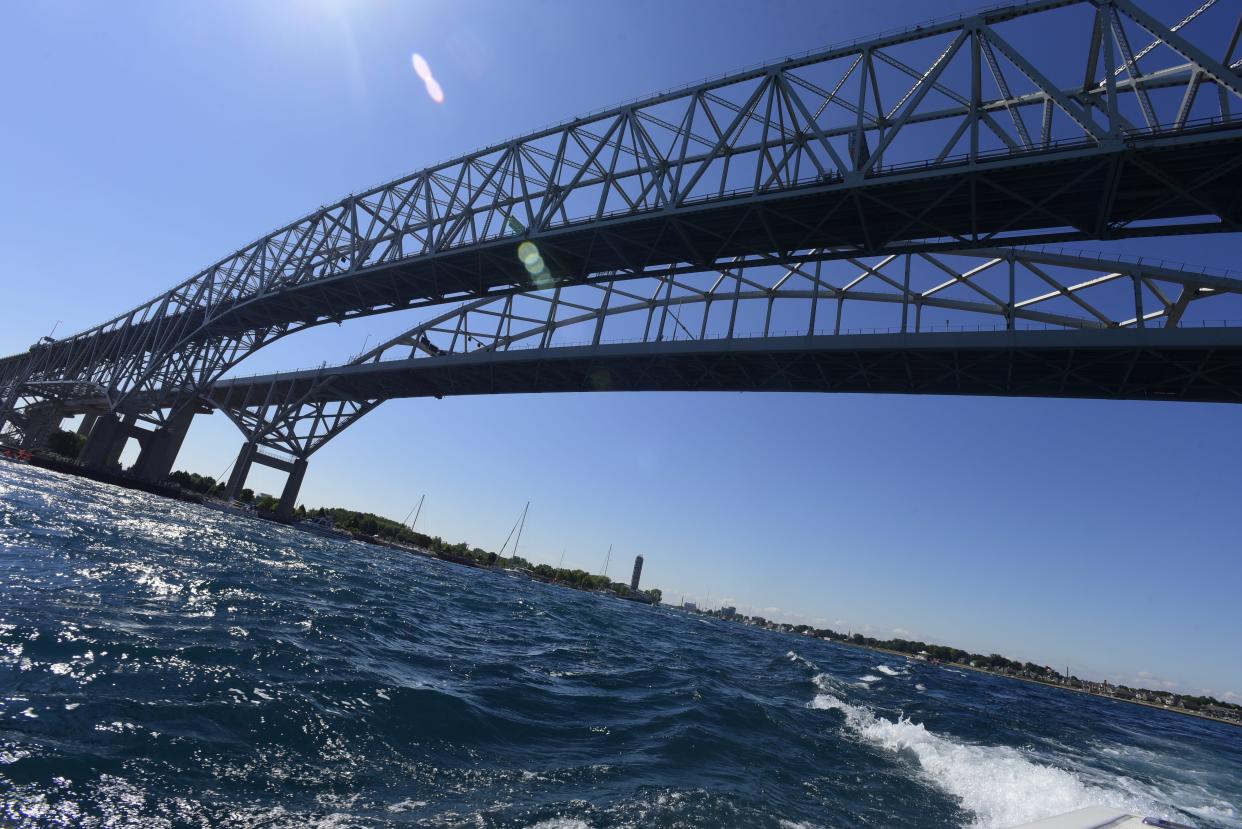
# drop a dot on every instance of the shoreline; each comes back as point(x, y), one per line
point(1184, 711)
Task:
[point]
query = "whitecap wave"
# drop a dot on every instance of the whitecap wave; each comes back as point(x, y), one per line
point(561, 823)
point(869, 678)
point(885, 669)
point(1001, 786)
point(793, 657)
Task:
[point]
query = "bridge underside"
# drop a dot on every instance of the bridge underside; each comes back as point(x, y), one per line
point(1203, 365)
point(1189, 182)
point(1092, 193)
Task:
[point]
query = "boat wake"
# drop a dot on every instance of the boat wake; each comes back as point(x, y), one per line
point(1000, 786)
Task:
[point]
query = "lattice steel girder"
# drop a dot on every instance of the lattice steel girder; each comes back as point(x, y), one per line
point(958, 133)
point(957, 283)
point(990, 290)
point(1202, 365)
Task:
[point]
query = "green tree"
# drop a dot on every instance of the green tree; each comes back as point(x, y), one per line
point(65, 444)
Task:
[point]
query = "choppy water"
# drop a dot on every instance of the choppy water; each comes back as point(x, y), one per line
point(163, 665)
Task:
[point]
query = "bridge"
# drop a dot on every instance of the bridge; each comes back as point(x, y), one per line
point(869, 217)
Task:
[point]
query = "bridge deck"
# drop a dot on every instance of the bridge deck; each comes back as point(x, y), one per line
point(1059, 194)
point(1083, 192)
point(1137, 364)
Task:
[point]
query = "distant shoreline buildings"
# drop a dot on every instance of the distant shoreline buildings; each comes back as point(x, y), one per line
point(1198, 706)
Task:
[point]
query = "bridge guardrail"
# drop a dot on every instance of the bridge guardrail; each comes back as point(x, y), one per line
point(754, 335)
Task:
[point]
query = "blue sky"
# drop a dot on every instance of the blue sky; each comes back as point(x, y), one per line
point(145, 140)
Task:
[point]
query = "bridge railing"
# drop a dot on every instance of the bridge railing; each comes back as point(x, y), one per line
point(756, 334)
point(998, 290)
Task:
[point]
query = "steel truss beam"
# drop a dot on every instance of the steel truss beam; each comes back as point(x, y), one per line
point(960, 133)
point(667, 321)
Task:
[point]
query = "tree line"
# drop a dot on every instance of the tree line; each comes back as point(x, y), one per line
point(999, 664)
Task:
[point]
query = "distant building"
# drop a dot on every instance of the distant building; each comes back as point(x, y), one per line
point(728, 612)
point(689, 606)
point(638, 572)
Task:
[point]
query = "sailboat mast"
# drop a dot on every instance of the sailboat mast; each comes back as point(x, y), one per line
point(418, 506)
point(521, 526)
point(419, 511)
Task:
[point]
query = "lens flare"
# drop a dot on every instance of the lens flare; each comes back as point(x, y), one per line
point(423, 70)
point(434, 90)
point(421, 67)
point(528, 252)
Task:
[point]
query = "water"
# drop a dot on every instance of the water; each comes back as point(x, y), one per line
point(166, 666)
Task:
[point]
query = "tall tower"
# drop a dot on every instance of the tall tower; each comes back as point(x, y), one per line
point(638, 572)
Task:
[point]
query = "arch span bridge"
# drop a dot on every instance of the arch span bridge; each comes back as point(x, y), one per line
point(863, 218)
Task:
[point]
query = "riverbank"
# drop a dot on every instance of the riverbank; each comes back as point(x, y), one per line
point(1087, 691)
point(54, 463)
point(380, 534)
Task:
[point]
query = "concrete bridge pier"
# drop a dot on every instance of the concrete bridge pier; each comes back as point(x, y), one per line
point(248, 456)
point(241, 470)
point(293, 485)
point(88, 423)
point(104, 433)
point(106, 441)
point(159, 451)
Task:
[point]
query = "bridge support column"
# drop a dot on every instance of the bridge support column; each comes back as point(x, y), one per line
point(159, 453)
point(241, 469)
point(106, 442)
point(88, 423)
point(293, 484)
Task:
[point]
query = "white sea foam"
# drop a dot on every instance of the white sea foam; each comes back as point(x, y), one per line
point(869, 678)
point(884, 669)
point(793, 657)
point(1002, 786)
point(406, 805)
point(562, 823)
point(918, 686)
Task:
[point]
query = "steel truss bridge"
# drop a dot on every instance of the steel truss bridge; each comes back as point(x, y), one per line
point(871, 217)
